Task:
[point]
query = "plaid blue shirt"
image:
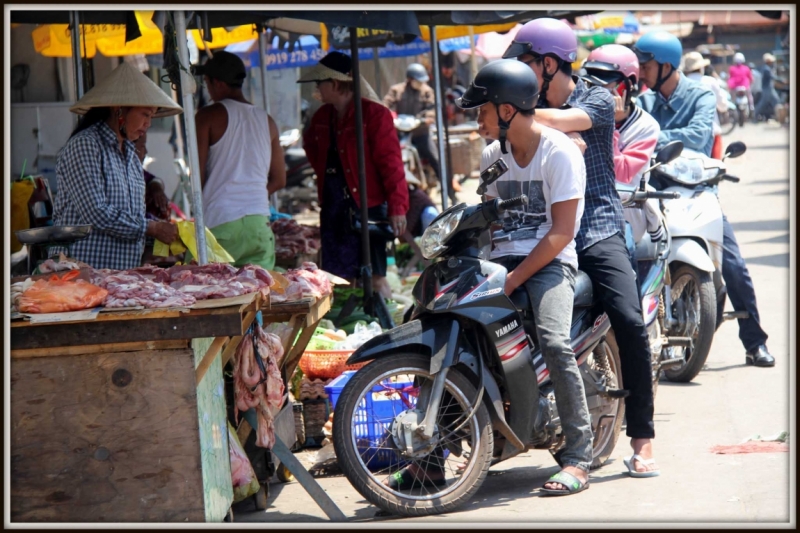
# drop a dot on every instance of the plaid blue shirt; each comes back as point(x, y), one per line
point(602, 215)
point(98, 185)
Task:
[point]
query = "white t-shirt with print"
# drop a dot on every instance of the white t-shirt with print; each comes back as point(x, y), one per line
point(556, 173)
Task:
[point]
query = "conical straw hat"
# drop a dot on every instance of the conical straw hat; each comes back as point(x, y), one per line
point(320, 72)
point(127, 87)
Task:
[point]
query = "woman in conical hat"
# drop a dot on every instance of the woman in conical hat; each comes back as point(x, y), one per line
point(99, 175)
point(330, 144)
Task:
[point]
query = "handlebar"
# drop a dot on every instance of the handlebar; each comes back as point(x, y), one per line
point(639, 197)
point(511, 203)
point(728, 177)
point(663, 195)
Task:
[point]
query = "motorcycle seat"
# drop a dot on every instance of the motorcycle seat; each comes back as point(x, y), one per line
point(646, 250)
point(584, 294)
point(294, 154)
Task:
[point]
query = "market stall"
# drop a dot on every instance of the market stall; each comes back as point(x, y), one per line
point(121, 415)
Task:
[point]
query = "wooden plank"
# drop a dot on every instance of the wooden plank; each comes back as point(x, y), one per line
point(209, 357)
point(243, 431)
point(212, 303)
point(106, 438)
point(290, 361)
point(291, 308)
point(100, 348)
point(230, 349)
point(318, 310)
point(206, 323)
point(296, 323)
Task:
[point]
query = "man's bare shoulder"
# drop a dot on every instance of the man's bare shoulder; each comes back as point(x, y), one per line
point(212, 112)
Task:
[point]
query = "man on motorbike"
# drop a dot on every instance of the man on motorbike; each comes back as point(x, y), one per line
point(548, 47)
point(416, 98)
point(739, 75)
point(536, 243)
point(616, 68)
point(684, 110)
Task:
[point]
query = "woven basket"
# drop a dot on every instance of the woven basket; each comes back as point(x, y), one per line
point(326, 364)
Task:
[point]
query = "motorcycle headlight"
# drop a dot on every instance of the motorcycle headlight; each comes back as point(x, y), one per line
point(435, 236)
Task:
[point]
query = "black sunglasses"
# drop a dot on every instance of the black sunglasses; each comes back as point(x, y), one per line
point(320, 82)
point(536, 58)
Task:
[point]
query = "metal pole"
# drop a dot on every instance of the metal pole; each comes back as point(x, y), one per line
point(440, 133)
point(473, 60)
point(75, 37)
point(262, 58)
point(377, 72)
point(366, 264)
point(187, 91)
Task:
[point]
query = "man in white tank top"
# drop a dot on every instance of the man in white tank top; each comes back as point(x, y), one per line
point(241, 164)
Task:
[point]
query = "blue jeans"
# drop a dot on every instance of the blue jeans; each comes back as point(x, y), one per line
point(552, 293)
point(740, 289)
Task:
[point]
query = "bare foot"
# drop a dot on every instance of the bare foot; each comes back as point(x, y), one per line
point(575, 471)
point(643, 448)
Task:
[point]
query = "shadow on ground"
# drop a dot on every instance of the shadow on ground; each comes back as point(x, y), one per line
point(780, 239)
point(762, 225)
point(774, 260)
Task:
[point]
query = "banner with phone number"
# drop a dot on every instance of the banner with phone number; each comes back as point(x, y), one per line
point(308, 54)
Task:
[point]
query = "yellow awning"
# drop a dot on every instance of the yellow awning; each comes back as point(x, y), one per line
point(450, 32)
point(222, 37)
point(54, 40)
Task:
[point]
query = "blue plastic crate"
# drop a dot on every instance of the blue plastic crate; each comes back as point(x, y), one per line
point(373, 419)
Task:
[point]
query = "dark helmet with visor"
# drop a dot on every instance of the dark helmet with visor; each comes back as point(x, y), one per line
point(502, 82)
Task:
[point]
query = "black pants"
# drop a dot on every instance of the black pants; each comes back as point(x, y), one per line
point(608, 266)
point(424, 145)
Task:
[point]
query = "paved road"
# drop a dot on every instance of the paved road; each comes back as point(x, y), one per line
point(725, 404)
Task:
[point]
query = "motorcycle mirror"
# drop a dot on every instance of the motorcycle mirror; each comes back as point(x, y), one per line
point(735, 149)
point(670, 152)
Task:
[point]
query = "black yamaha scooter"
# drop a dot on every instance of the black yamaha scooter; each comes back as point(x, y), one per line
point(463, 384)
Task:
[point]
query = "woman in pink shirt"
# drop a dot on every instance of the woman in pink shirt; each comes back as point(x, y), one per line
point(739, 75)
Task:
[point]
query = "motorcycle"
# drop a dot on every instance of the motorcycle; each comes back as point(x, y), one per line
point(742, 105)
point(651, 265)
point(463, 385)
point(405, 125)
point(298, 169)
point(695, 302)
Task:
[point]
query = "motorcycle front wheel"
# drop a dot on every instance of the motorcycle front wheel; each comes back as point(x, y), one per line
point(742, 117)
point(371, 443)
point(694, 305)
point(727, 122)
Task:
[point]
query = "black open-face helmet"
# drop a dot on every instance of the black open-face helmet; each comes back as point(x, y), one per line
point(504, 81)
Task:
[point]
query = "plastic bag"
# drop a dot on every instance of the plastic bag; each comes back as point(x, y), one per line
point(216, 253)
point(58, 295)
point(243, 477)
point(21, 192)
point(162, 249)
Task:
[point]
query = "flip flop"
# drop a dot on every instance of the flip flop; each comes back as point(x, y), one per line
point(629, 464)
point(404, 480)
point(573, 484)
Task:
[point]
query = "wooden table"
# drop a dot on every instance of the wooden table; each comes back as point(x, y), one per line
point(112, 419)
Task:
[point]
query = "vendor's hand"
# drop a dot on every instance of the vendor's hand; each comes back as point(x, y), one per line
point(398, 223)
point(163, 231)
point(578, 140)
point(429, 121)
point(620, 110)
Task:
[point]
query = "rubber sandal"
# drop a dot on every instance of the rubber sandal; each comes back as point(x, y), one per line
point(404, 480)
point(573, 484)
point(629, 464)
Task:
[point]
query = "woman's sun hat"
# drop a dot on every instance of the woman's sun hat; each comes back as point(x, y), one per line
point(338, 66)
point(126, 86)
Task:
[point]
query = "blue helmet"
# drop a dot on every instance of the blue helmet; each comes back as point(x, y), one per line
point(661, 46)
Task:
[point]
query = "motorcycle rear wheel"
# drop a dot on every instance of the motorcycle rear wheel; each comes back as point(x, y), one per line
point(693, 290)
point(458, 398)
point(605, 432)
point(742, 118)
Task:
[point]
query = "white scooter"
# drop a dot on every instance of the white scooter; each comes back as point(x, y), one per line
point(405, 125)
point(697, 297)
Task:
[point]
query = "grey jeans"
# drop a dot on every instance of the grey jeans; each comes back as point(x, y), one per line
point(551, 292)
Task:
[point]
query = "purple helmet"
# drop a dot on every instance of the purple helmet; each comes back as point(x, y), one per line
point(542, 37)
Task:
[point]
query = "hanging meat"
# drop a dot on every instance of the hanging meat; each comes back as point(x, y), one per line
point(258, 382)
